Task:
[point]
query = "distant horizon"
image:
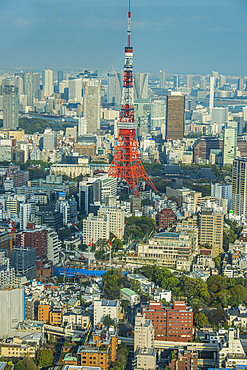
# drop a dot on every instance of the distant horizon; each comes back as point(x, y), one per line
point(177, 37)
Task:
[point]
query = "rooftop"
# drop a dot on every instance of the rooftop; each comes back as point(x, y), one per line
point(128, 291)
point(166, 235)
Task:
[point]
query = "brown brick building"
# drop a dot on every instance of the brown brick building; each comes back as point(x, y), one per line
point(166, 218)
point(34, 238)
point(171, 323)
point(18, 176)
point(100, 348)
point(184, 359)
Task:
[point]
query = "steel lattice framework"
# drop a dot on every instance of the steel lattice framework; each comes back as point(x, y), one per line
point(126, 163)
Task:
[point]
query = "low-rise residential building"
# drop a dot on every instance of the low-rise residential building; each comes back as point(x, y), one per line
point(129, 295)
point(106, 307)
point(100, 348)
point(19, 349)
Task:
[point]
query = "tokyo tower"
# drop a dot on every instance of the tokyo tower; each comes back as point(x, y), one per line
point(126, 163)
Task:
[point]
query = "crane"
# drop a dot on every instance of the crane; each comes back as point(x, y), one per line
point(90, 244)
point(111, 241)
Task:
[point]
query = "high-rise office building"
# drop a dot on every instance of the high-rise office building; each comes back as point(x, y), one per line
point(12, 310)
point(203, 83)
point(222, 81)
point(230, 142)
point(49, 140)
point(239, 186)
point(158, 113)
point(222, 191)
point(189, 80)
point(28, 87)
point(162, 79)
point(220, 115)
point(241, 84)
point(211, 230)
point(91, 104)
point(10, 107)
point(176, 82)
point(75, 89)
point(18, 82)
point(211, 96)
point(115, 84)
point(48, 82)
point(175, 116)
point(36, 85)
point(82, 126)
point(140, 85)
point(60, 77)
point(216, 78)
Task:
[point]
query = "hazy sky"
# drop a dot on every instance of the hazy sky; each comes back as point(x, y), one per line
point(179, 36)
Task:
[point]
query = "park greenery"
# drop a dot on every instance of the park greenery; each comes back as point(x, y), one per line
point(231, 233)
point(217, 292)
point(26, 363)
point(138, 228)
point(45, 358)
point(153, 169)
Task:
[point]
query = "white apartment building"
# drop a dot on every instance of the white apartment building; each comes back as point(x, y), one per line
point(54, 245)
point(105, 307)
point(25, 212)
point(144, 332)
point(116, 219)
point(95, 228)
point(109, 187)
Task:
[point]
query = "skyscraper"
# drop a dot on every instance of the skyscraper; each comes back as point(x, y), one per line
point(36, 85)
point(230, 142)
point(140, 85)
point(28, 87)
point(75, 89)
point(211, 96)
point(91, 104)
point(241, 84)
point(216, 78)
point(10, 107)
point(222, 81)
point(189, 81)
point(176, 82)
point(158, 113)
point(175, 116)
point(203, 83)
point(48, 82)
point(114, 92)
point(239, 186)
point(162, 79)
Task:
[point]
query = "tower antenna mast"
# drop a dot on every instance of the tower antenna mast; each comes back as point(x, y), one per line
point(127, 163)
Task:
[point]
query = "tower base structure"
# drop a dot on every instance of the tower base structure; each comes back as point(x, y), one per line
point(126, 163)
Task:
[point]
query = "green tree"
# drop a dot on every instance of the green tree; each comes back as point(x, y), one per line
point(20, 365)
point(135, 285)
point(113, 281)
point(217, 261)
point(45, 357)
point(124, 304)
point(117, 366)
point(200, 320)
point(29, 363)
point(108, 321)
point(123, 354)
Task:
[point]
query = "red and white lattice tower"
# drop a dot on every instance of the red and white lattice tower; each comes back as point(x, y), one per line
point(126, 163)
